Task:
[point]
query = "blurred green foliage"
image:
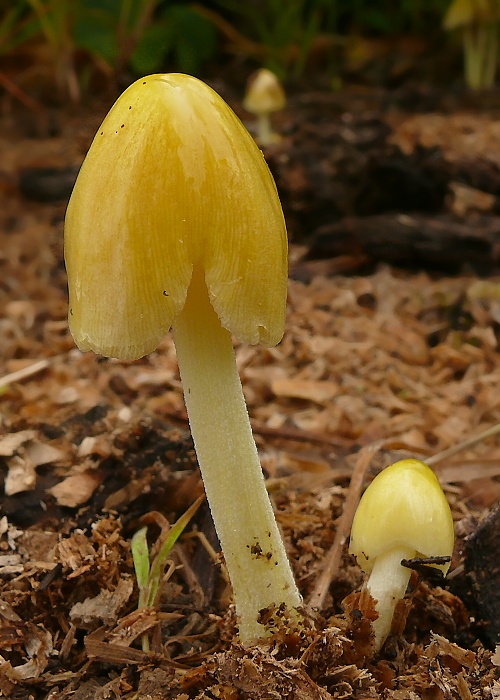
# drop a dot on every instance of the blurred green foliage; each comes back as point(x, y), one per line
point(406, 16)
point(121, 37)
point(15, 26)
point(144, 34)
point(284, 30)
point(288, 31)
point(141, 36)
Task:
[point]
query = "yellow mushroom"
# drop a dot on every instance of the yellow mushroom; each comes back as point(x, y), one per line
point(175, 221)
point(264, 95)
point(479, 22)
point(403, 514)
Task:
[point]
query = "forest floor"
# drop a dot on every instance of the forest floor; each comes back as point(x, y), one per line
point(391, 350)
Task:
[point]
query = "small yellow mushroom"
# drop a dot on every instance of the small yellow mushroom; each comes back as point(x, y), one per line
point(403, 514)
point(175, 221)
point(264, 95)
point(479, 22)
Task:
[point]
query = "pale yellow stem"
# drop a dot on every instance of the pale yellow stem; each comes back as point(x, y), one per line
point(387, 584)
point(251, 542)
point(265, 135)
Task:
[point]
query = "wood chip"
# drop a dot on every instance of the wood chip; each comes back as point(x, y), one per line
point(103, 608)
point(20, 477)
point(76, 489)
point(10, 444)
point(317, 391)
point(38, 453)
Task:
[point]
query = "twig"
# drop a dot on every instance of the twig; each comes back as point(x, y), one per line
point(214, 556)
point(25, 99)
point(281, 433)
point(470, 442)
point(299, 435)
point(332, 559)
point(24, 373)
point(238, 40)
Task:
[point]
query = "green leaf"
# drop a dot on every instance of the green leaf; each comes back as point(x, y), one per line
point(154, 45)
point(95, 31)
point(140, 555)
point(181, 34)
point(171, 538)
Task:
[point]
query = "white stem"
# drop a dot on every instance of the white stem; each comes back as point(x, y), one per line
point(387, 584)
point(265, 136)
point(253, 549)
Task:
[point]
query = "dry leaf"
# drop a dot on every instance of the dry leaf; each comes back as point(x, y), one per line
point(104, 608)
point(465, 199)
point(76, 489)
point(317, 391)
point(32, 642)
point(95, 445)
point(38, 453)
point(12, 442)
point(20, 477)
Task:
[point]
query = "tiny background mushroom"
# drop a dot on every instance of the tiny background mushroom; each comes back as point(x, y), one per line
point(264, 95)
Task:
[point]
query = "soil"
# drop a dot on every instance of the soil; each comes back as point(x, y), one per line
point(391, 350)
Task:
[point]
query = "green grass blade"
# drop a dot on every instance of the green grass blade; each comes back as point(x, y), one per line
point(171, 538)
point(140, 555)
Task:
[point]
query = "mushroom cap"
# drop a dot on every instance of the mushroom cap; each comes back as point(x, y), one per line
point(403, 506)
point(461, 13)
point(264, 93)
point(172, 180)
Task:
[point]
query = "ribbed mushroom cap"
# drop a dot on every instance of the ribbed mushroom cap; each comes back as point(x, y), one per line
point(404, 506)
point(264, 93)
point(172, 179)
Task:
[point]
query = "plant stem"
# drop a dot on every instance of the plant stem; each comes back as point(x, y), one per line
point(253, 549)
point(387, 584)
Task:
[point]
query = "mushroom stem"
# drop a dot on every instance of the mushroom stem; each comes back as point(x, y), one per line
point(480, 54)
point(265, 135)
point(490, 61)
point(253, 549)
point(387, 584)
point(472, 56)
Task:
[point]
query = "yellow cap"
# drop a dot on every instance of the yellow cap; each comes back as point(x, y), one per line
point(264, 93)
point(403, 506)
point(172, 180)
point(461, 13)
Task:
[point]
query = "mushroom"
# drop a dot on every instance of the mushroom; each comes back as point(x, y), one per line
point(264, 95)
point(478, 20)
point(175, 221)
point(403, 514)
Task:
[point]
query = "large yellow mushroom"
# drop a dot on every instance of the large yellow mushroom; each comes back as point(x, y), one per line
point(175, 221)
